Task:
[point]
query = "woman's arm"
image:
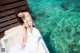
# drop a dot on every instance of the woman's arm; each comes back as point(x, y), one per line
point(24, 37)
point(27, 19)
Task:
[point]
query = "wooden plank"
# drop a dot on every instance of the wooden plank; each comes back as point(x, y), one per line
point(13, 11)
point(7, 13)
point(8, 22)
point(13, 5)
point(1, 35)
point(7, 1)
point(7, 18)
point(21, 8)
point(8, 27)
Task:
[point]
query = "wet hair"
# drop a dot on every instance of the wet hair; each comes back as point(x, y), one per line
point(19, 19)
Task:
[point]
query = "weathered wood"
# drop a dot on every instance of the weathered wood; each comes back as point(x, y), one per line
point(13, 5)
point(8, 13)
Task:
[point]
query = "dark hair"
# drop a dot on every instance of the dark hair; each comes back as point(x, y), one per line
point(19, 19)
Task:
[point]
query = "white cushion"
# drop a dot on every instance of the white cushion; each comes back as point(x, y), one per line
point(12, 37)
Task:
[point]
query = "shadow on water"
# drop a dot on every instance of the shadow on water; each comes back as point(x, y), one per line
point(47, 41)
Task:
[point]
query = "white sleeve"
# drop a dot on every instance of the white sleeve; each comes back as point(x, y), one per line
point(42, 48)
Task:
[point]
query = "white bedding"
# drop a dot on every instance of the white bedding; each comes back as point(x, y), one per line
point(34, 44)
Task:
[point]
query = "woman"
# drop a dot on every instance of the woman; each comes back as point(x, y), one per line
point(31, 40)
point(25, 16)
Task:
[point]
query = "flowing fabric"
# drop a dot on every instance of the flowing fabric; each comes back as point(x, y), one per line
point(34, 44)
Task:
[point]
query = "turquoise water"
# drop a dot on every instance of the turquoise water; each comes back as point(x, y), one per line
point(59, 23)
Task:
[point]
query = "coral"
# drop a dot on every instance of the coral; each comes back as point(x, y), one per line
point(59, 23)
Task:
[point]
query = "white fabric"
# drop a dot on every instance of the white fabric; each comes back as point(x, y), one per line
point(12, 37)
point(34, 44)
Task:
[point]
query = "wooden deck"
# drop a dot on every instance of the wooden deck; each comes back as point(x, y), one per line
point(8, 13)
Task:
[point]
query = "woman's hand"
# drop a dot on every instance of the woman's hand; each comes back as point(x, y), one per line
point(24, 41)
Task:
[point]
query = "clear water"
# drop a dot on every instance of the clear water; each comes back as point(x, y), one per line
point(59, 23)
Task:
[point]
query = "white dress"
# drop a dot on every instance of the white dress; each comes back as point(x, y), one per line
point(34, 44)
